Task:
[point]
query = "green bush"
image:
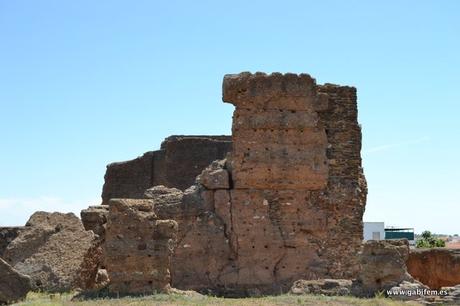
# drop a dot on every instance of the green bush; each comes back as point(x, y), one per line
point(429, 241)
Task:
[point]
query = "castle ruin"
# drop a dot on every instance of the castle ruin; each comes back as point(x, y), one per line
point(286, 202)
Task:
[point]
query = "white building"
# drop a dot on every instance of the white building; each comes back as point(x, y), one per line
point(374, 231)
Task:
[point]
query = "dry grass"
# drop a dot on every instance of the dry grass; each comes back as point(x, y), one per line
point(41, 299)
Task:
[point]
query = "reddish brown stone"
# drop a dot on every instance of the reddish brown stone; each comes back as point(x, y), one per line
point(50, 249)
point(138, 248)
point(202, 253)
point(287, 204)
point(177, 163)
point(293, 206)
point(383, 266)
point(295, 213)
point(279, 141)
point(14, 285)
point(436, 268)
point(94, 219)
point(91, 267)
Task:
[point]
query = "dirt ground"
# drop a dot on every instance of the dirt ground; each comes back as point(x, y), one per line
point(40, 299)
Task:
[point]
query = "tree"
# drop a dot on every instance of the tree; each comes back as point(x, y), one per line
point(429, 241)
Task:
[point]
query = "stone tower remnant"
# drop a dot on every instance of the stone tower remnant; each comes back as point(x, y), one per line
point(287, 202)
point(298, 191)
point(279, 142)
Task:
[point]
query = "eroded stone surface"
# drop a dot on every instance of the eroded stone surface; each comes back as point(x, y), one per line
point(94, 218)
point(92, 268)
point(13, 284)
point(383, 266)
point(279, 141)
point(453, 295)
point(293, 205)
point(286, 204)
point(400, 292)
point(202, 250)
point(50, 250)
point(8, 234)
point(215, 176)
point(298, 190)
point(138, 248)
point(426, 296)
point(436, 268)
point(322, 286)
point(177, 163)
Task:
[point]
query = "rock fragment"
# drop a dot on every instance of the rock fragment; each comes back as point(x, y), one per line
point(50, 250)
point(13, 284)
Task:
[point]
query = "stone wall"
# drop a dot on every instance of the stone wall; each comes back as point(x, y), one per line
point(288, 202)
point(382, 266)
point(298, 191)
point(138, 248)
point(177, 163)
point(203, 259)
point(436, 268)
point(8, 234)
point(279, 142)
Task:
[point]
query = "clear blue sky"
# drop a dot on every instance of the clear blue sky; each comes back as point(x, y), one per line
point(86, 83)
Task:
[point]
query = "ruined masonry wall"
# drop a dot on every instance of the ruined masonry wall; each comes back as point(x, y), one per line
point(298, 191)
point(278, 140)
point(138, 248)
point(177, 163)
point(286, 204)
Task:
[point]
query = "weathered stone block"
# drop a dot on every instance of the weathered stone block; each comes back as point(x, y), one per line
point(50, 250)
point(383, 266)
point(138, 248)
point(261, 91)
point(322, 286)
point(13, 284)
point(92, 271)
point(292, 208)
point(215, 179)
point(94, 219)
point(278, 142)
point(215, 176)
point(8, 234)
point(436, 268)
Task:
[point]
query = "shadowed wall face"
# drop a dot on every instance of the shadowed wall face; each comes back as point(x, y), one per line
point(8, 234)
point(177, 163)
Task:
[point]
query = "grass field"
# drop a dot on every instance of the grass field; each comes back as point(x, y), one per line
point(39, 299)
